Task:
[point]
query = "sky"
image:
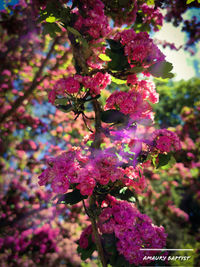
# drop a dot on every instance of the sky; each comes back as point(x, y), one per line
point(11, 2)
point(181, 60)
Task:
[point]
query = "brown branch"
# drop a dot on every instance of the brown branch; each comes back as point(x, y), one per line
point(6, 223)
point(96, 233)
point(57, 64)
point(33, 85)
point(97, 139)
point(82, 68)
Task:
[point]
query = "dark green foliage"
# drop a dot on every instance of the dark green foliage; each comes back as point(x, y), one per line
point(87, 253)
point(163, 159)
point(123, 194)
point(161, 69)
point(51, 28)
point(116, 53)
point(113, 116)
point(173, 97)
point(71, 198)
point(65, 108)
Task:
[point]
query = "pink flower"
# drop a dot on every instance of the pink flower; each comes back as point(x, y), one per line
point(130, 103)
point(60, 184)
point(132, 230)
point(83, 241)
point(139, 48)
point(163, 143)
point(87, 186)
point(72, 86)
point(166, 141)
point(52, 96)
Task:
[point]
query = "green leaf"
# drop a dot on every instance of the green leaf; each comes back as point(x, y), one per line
point(170, 163)
point(51, 29)
point(195, 172)
point(163, 159)
point(190, 1)
point(71, 198)
point(136, 70)
point(114, 45)
point(116, 54)
point(118, 60)
point(150, 2)
point(113, 116)
point(61, 101)
point(104, 57)
point(161, 69)
point(89, 143)
point(74, 31)
point(79, 36)
point(117, 81)
point(123, 193)
point(65, 108)
point(154, 160)
point(87, 253)
point(51, 19)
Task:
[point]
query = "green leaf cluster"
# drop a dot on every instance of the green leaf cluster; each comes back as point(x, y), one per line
point(123, 193)
point(53, 13)
point(116, 54)
point(71, 198)
point(161, 69)
point(113, 116)
point(173, 96)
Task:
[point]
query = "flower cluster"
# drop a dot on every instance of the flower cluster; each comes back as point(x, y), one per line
point(40, 240)
point(165, 140)
point(83, 241)
point(146, 88)
point(94, 23)
point(139, 48)
point(122, 12)
point(178, 212)
point(152, 16)
point(135, 178)
point(27, 145)
point(131, 103)
point(74, 168)
point(72, 85)
point(97, 49)
point(133, 231)
point(95, 83)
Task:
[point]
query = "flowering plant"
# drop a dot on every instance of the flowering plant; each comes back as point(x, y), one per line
point(99, 177)
point(96, 61)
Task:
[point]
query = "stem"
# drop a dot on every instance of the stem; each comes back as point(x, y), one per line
point(82, 68)
point(96, 233)
point(97, 138)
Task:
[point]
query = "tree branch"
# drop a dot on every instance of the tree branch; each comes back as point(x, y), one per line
point(96, 233)
point(82, 68)
point(97, 139)
point(34, 84)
